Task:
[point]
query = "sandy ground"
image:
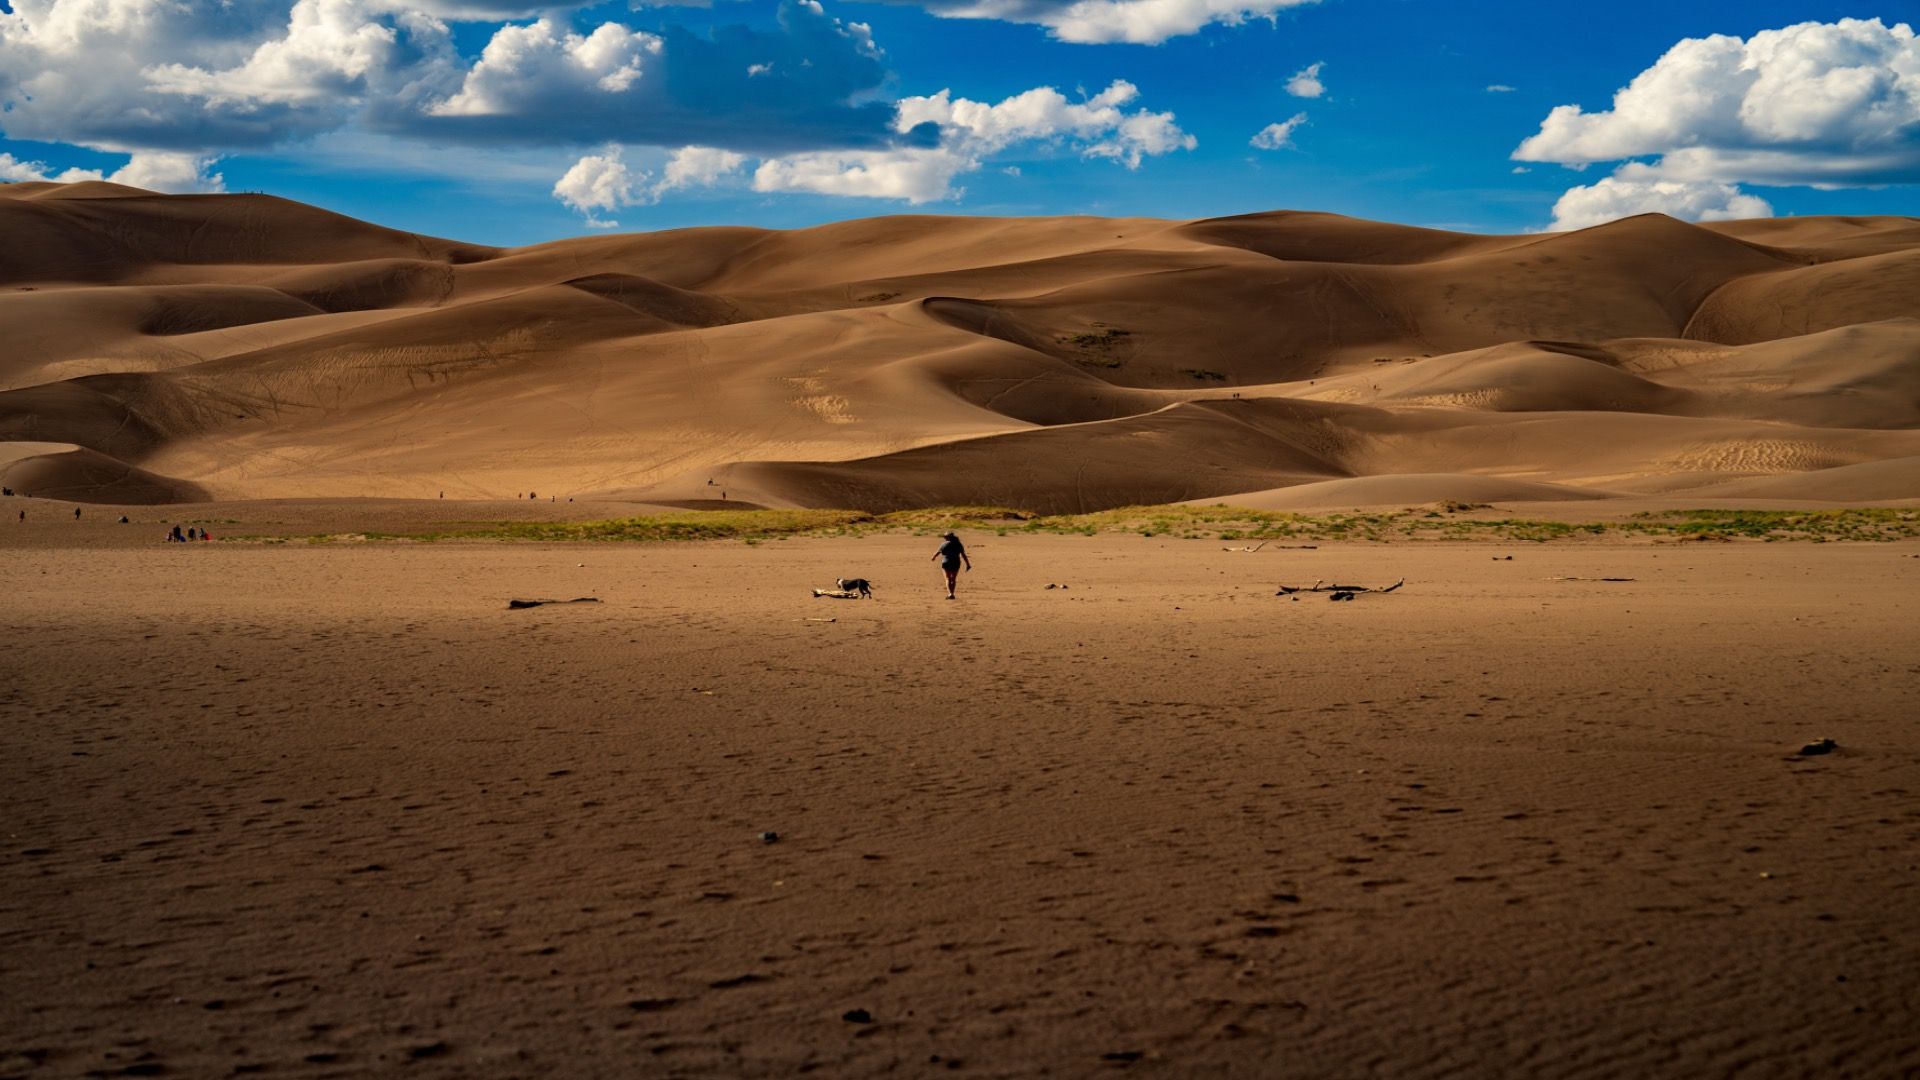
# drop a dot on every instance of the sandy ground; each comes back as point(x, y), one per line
point(334, 811)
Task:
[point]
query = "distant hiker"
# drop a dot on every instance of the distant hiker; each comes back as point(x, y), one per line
point(205, 535)
point(533, 494)
point(950, 556)
point(76, 513)
point(123, 519)
point(174, 537)
point(9, 491)
point(443, 494)
point(193, 533)
point(23, 517)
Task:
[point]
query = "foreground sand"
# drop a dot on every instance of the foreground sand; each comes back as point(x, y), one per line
point(333, 810)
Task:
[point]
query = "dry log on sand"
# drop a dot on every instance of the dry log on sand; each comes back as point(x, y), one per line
point(537, 603)
point(1338, 592)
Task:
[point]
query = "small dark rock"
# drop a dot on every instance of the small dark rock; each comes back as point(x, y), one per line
point(432, 1049)
point(769, 837)
point(1821, 746)
point(1123, 1057)
point(857, 1016)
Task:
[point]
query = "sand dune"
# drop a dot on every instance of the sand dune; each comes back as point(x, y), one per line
point(248, 347)
point(1867, 481)
point(62, 471)
point(1409, 489)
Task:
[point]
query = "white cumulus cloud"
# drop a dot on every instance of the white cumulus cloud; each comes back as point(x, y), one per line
point(154, 171)
point(1820, 104)
point(1045, 114)
point(971, 131)
point(331, 47)
point(161, 171)
point(170, 75)
point(917, 175)
point(527, 68)
point(601, 182)
point(1277, 136)
point(1814, 103)
point(698, 166)
point(1638, 190)
point(211, 77)
point(1306, 82)
point(14, 170)
point(1097, 22)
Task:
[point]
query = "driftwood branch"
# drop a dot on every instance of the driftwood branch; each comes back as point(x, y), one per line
point(1276, 547)
point(1338, 592)
point(836, 594)
point(537, 603)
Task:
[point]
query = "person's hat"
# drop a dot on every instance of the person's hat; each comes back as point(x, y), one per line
point(950, 536)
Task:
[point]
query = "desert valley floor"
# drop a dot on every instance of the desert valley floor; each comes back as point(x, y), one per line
point(333, 810)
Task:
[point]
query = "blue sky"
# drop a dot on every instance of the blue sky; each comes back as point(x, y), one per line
point(504, 122)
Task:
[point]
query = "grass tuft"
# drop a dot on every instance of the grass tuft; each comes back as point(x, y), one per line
point(1219, 521)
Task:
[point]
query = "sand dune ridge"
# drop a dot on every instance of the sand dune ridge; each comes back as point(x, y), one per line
point(240, 346)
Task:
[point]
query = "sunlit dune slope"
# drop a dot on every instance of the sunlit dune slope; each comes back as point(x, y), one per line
point(167, 348)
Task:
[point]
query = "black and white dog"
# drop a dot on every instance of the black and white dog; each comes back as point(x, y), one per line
point(858, 585)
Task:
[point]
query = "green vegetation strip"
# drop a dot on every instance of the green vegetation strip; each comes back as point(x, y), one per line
point(1445, 521)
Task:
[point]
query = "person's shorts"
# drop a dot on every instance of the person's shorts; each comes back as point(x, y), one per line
point(950, 567)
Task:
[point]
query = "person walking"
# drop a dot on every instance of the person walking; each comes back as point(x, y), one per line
point(951, 555)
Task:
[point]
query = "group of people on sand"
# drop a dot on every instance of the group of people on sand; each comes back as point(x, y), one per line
point(192, 533)
point(76, 512)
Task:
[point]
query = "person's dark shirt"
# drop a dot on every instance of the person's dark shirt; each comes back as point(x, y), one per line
point(952, 552)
